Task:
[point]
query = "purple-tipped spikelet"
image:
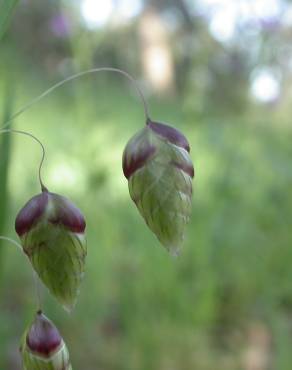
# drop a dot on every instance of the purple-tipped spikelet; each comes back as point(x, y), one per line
point(42, 346)
point(52, 233)
point(159, 170)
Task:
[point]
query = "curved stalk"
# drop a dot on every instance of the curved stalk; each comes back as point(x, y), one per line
point(75, 76)
point(12, 241)
point(3, 131)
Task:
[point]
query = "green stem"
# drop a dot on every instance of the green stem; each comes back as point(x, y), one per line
point(3, 131)
point(75, 76)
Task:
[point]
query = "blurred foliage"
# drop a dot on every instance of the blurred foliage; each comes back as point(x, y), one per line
point(6, 10)
point(228, 298)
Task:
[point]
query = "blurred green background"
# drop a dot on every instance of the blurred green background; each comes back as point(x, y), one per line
point(220, 71)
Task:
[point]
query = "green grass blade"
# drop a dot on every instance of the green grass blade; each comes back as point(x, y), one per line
point(5, 145)
point(6, 10)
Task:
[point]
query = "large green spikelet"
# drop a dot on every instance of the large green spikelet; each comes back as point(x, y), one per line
point(159, 170)
point(51, 230)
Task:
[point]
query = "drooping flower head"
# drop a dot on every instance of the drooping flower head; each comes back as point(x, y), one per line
point(42, 346)
point(159, 170)
point(52, 233)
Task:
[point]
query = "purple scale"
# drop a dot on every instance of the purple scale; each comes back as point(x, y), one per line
point(64, 212)
point(43, 337)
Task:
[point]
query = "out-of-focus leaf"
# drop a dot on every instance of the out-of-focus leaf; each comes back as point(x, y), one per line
point(6, 10)
point(5, 144)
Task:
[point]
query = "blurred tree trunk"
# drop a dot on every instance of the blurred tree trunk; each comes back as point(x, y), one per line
point(189, 26)
point(258, 354)
point(156, 54)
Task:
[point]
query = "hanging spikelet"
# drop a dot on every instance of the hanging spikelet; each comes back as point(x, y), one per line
point(42, 347)
point(51, 230)
point(159, 170)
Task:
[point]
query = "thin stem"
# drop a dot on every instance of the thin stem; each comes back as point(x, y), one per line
point(73, 77)
point(11, 241)
point(43, 151)
point(38, 291)
point(35, 276)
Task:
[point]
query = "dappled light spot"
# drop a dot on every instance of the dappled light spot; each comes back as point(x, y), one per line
point(265, 86)
point(96, 13)
point(65, 175)
point(226, 17)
